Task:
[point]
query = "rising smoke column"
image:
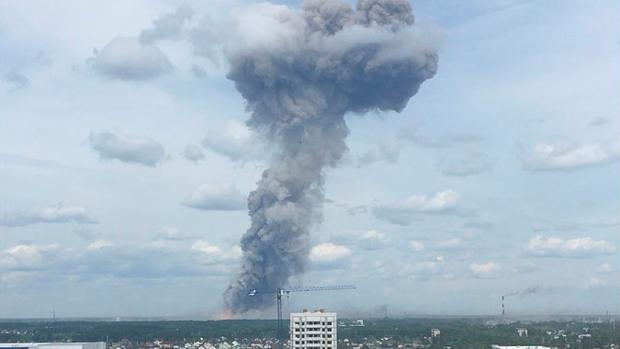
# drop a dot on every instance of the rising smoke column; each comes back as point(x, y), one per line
point(300, 72)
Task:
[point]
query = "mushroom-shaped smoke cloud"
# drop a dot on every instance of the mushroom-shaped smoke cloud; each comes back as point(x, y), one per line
point(300, 72)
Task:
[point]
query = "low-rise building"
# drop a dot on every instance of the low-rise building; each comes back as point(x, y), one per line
point(522, 332)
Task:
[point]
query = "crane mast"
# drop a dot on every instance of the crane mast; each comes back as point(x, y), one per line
point(279, 292)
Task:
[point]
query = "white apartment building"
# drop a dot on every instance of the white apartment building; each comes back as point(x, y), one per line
point(313, 330)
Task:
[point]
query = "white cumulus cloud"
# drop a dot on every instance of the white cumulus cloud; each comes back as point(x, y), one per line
point(126, 148)
point(416, 246)
point(56, 214)
point(552, 157)
point(484, 270)
point(578, 247)
point(372, 240)
point(129, 59)
point(328, 253)
point(216, 253)
point(25, 257)
point(424, 270)
point(402, 213)
point(441, 201)
point(168, 25)
point(99, 244)
point(218, 197)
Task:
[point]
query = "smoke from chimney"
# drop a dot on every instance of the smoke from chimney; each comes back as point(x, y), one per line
point(300, 72)
point(523, 293)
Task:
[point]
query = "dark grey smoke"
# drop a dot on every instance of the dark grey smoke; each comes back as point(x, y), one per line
point(523, 293)
point(319, 63)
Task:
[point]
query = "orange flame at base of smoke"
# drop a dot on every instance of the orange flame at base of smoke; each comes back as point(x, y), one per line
point(225, 315)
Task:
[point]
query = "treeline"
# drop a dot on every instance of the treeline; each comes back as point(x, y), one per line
point(477, 333)
point(134, 331)
point(455, 333)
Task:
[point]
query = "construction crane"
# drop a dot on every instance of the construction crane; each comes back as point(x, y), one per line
point(279, 292)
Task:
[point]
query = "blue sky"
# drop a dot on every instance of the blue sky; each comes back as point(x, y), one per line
point(124, 165)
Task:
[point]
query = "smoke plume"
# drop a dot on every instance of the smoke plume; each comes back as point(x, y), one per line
point(300, 72)
point(528, 291)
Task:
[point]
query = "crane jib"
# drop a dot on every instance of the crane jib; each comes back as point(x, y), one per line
point(279, 292)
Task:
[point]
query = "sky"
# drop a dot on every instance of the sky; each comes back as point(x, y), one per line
point(125, 164)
